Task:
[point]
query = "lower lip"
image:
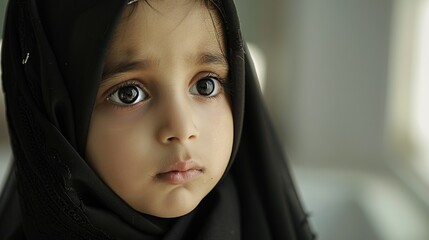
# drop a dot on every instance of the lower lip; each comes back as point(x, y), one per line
point(179, 177)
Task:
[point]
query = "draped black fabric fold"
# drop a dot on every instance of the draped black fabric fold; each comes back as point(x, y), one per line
point(52, 61)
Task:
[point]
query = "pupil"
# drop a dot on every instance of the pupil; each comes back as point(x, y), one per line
point(128, 94)
point(205, 86)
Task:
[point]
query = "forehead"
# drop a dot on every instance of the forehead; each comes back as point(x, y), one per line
point(170, 26)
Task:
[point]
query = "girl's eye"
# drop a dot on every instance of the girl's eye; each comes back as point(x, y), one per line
point(127, 95)
point(208, 87)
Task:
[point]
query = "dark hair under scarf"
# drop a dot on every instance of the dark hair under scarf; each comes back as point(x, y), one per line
point(52, 61)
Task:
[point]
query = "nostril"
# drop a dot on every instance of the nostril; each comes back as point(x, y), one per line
point(180, 129)
point(171, 139)
point(192, 137)
point(175, 138)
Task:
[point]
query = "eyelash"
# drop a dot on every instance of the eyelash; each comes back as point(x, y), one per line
point(126, 84)
point(224, 85)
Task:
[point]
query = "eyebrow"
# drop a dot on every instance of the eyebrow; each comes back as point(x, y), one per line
point(205, 58)
point(123, 67)
point(212, 59)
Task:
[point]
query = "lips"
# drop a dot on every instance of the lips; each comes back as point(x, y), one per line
point(181, 172)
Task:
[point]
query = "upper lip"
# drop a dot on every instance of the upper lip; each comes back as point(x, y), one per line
point(182, 166)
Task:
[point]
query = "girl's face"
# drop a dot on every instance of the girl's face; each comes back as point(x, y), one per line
point(161, 131)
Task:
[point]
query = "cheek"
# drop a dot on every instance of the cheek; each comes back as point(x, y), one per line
point(115, 150)
point(217, 135)
point(221, 131)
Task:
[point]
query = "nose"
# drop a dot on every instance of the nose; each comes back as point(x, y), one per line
point(177, 121)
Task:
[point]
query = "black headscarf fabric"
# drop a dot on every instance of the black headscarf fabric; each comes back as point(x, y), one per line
point(52, 61)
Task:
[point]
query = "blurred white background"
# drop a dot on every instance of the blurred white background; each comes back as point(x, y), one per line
point(346, 83)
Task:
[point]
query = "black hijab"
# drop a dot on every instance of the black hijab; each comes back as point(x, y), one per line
point(52, 61)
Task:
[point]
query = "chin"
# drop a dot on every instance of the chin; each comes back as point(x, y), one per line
point(168, 207)
point(176, 211)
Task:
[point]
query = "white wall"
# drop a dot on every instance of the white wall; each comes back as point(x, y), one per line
point(326, 88)
point(327, 75)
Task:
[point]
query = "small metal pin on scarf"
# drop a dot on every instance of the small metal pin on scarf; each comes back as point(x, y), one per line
point(132, 1)
point(24, 61)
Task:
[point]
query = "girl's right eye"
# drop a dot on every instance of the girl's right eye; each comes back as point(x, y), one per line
point(127, 95)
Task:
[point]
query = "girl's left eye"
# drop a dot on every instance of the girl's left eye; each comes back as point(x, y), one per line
point(127, 95)
point(208, 87)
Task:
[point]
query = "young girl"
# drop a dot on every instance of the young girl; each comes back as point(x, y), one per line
point(139, 120)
